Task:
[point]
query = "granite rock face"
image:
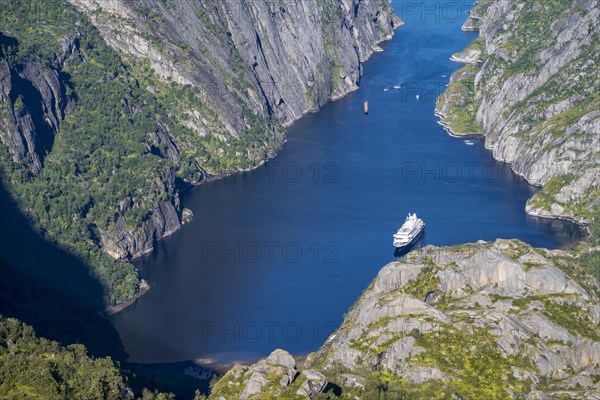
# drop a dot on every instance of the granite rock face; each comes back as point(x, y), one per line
point(314, 384)
point(506, 287)
point(291, 57)
point(525, 322)
point(534, 97)
point(34, 102)
point(271, 376)
point(279, 60)
point(164, 219)
point(242, 70)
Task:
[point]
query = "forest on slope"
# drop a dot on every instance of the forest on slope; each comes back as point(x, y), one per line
point(109, 109)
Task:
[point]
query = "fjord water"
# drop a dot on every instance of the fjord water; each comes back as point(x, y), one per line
point(276, 256)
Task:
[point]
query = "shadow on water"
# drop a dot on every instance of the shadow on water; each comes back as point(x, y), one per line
point(50, 289)
point(399, 254)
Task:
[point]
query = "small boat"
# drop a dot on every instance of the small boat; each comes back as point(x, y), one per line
point(396, 87)
point(366, 107)
point(417, 97)
point(386, 89)
point(469, 142)
point(409, 232)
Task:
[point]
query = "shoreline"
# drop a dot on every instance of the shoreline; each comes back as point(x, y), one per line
point(215, 177)
point(224, 366)
point(583, 226)
point(114, 309)
point(220, 368)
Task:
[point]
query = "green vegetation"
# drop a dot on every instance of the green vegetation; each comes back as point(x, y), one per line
point(591, 262)
point(561, 311)
point(329, 70)
point(476, 45)
point(103, 153)
point(550, 113)
point(38, 368)
point(473, 360)
point(545, 198)
point(459, 100)
point(383, 385)
point(580, 269)
point(537, 18)
point(577, 84)
point(572, 318)
point(468, 350)
point(426, 281)
point(99, 157)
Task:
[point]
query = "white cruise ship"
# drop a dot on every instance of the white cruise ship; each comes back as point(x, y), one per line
point(410, 232)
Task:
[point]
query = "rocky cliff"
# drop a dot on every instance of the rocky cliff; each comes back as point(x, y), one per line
point(498, 320)
point(35, 104)
point(277, 58)
point(109, 108)
point(531, 87)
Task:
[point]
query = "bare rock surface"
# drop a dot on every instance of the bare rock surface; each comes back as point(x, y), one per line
point(532, 91)
point(499, 311)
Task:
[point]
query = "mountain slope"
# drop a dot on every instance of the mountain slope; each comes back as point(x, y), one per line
point(496, 320)
point(531, 88)
point(31, 367)
point(108, 109)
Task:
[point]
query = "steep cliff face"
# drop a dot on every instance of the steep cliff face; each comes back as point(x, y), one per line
point(532, 88)
point(280, 59)
point(34, 102)
point(109, 107)
point(493, 320)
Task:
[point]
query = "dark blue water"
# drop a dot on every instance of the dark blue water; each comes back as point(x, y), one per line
point(275, 257)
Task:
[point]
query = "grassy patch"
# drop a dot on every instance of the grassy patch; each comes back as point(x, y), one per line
point(426, 281)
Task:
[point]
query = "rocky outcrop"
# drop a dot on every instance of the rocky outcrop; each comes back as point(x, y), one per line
point(278, 60)
point(534, 98)
point(275, 375)
point(131, 243)
point(34, 102)
point(471, 55)
point(281, 59)
point(506, 288)
point(474, 319)
point(314, 383)
point(215, 82)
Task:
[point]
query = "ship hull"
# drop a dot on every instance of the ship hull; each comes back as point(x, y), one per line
point(413, 241)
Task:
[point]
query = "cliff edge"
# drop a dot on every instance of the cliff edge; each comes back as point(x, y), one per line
point(487, 320)
point(531, 88)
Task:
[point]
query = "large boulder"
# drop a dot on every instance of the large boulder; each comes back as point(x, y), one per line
point(314, 384)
